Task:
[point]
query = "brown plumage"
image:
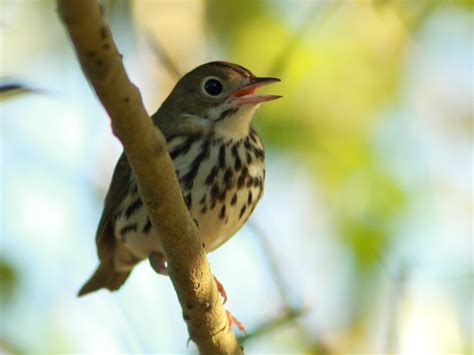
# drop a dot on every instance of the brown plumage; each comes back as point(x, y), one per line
point(218, 157)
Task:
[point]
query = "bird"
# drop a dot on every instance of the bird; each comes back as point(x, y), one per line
point(219, 162)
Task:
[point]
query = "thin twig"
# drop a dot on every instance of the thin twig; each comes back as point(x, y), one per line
point(163, 55)
point(272, 261)
point(269, 326)
point(11, 90)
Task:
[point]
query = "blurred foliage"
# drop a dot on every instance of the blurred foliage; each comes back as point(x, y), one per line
point(337, 74)
point(12, 90)
point(8, 282)
point(414, 13)
point(342, 64)
point(340, 68)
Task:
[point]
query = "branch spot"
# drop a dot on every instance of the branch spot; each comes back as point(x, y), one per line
point(160, 148)
point(153, 205)
point(103, 32)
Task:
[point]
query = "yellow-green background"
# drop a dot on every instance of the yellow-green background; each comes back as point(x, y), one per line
point(362, 243)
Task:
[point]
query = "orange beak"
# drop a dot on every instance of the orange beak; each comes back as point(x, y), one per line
point(247, 95)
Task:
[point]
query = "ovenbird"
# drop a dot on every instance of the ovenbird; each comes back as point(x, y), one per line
point(219, 162)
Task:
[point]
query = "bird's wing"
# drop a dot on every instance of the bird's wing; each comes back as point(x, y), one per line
point(118, 190)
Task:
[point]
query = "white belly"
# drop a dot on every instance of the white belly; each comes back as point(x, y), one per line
point(219, 215)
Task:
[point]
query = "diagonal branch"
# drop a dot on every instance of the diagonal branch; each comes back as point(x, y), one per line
point(146, 150)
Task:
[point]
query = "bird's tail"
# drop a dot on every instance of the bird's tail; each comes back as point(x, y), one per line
point(104, 277)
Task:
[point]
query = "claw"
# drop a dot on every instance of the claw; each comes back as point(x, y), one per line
point(230, 317)
point(236, 322)
point(221, 290)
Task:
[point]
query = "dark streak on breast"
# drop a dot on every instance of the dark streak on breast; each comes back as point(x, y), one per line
point(212, 175)
point(226, 113)
point(147, 226)
point(222, 156)
point(133, 207)
point(188, 179)
point(242, 211)
point(128, 228)
point(184, 147)
point(242, 177)
point(222, 212)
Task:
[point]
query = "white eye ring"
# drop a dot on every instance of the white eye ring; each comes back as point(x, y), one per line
point(212, 86)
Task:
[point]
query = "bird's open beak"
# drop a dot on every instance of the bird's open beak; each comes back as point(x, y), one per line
point(247, 95)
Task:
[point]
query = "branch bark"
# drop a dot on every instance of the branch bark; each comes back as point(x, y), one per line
point(146, 150)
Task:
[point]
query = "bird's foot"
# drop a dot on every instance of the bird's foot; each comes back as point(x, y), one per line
point(236, 322)
point(232, 320)
point(157, 262)
point(221, 290)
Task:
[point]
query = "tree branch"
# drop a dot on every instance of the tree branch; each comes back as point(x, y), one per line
point(146, 150)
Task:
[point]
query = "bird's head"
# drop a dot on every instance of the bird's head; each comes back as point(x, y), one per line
point(217, 97)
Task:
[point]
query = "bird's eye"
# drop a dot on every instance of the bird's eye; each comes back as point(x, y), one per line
point(213, 87)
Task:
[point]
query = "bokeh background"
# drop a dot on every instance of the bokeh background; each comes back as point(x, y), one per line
point(362, 243)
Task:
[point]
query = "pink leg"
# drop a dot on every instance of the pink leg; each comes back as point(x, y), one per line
point(236, 322)
point(221, 290)
point(232, 320)
point(158, 264)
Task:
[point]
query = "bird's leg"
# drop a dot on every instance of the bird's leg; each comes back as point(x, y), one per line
point(157, 262)
point(230, 317)
point(236, 322)
point(221, 290)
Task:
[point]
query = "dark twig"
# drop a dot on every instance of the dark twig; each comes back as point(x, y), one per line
point(272, 262)
point(287, 317)
point(11, 90)
point(163, 55)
